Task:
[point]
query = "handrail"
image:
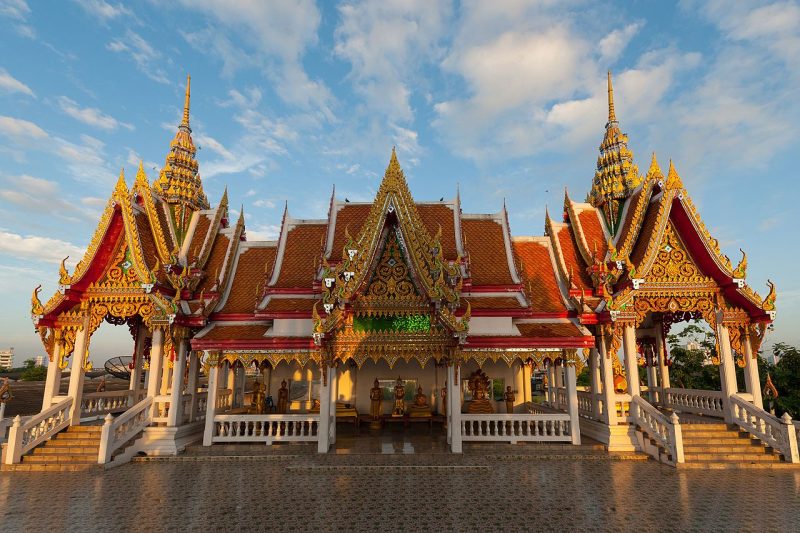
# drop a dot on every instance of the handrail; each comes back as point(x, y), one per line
point(702, 402)
point(265, 428)
point(777, 433)
point(507, 427)
point(94, 404)
point(23, 437)
point(117, 431)
point(666, 431)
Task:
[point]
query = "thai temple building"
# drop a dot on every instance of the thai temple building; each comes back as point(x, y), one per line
point(405, 310)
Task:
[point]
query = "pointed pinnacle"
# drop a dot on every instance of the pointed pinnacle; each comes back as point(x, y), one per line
point(121, 185)
point(185, 121)
point(612, 116)
point(224, 199)
point(141, 177)
point(654, 170)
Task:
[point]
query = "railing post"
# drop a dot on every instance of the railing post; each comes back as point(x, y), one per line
point(595, 380)
point(791, 439)
point(14, 445)
point(454, 397)
point(572, 404)
point(211, 403)
point(324, 430)
point(154, 376)
point(677, 439)
point(53, 383)
point(105, 440)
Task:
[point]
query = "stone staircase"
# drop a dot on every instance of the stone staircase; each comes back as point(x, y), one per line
point(715, 445)
point(75, 448)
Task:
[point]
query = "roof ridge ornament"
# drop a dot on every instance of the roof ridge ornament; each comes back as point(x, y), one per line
point(612, 116)
point(673, 179)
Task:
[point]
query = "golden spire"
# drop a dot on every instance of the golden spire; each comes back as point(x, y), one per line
point(655, 171)
point(185, 121)
point(612, 117)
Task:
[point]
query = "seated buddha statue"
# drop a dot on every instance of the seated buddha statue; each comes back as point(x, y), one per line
point(420, 407)
point(479, 387)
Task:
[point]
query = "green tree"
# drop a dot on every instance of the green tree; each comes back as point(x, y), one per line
point(690, 367)
point(34, 373)
point(28, 364)
point(786, 378)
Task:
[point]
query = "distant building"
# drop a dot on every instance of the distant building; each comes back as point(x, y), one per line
point(7, 358)
point(39, 360)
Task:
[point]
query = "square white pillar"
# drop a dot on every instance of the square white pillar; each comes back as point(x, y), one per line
point(631, 359)
point(334, 391)
point(156, 360)
point(324, 428)
point(76, 374)
point(175, 417)
point(752, 380)
point(454, 395)
point(727, 368)
point(211, 404)
point(53, 383)
point(594, 382)
point(572, 403)
point(609, 395)
point(191, 386)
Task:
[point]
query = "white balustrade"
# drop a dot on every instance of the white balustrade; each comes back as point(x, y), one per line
point(778, 433)
point(701, 402)
point(623, 406)
point(665, 431)
point(161, 408)
point(23, 437)
point(202, 402)
point(224, 400)
point(265, 428)
point(97, 404)
point(513, 428)
point(186, 400)
point(117, 431)
point(561, 398)
point(585, 404)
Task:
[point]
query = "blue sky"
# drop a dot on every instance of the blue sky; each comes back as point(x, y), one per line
point(506, 99)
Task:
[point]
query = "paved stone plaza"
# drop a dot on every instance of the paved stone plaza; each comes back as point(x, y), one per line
point(423, 492)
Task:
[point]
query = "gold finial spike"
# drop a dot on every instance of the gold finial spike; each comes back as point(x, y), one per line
point(673, 180)
point(224, 200)
point(121, 185)
point(612, 117)
point(185, 121)
point(655, 169)
point(141, 177)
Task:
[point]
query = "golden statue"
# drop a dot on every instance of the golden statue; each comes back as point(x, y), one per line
point(420, 407)
point(258, 400)
point(509, 397)
point(478, 385)
point(283, 398)
point(399, 398)
point(444, 400)
point(376, 399)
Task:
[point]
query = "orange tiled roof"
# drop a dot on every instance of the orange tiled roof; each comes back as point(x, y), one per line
point(645, 234)
point(165, 227)
point(593, 232)
point(301, 255)
point(350, 216)
point(540, 280)
point(572, 258)
point(485, 302)
point(249, 275)
point(198, 237)
point(213, 267)
point(558, 330)
point(278, 305)
point(488, 261)
point(437, 215)
point(628, 225)
point(239, 332)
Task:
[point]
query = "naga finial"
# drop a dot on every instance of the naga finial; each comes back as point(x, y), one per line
point(63, 278)
point(769, 302)
point(36, 305)
point(741, 269)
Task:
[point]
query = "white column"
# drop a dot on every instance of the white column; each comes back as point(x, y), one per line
point(594, 382)
point(751, 379)
point(663, 369)
point(136, 374)
point(551, 385)
point(76, 374)
point(631, 363)
point(166, 371)
point(607, 372)
point(334, 391)
point(652, 378)
point(572, 403)
point(727, 368)
point(211, 404)
point(526, 382)
point(175, 417)
point(191, 386)
point(231, 383)
point(455, 409)
point(156, 360)
point(53, 383)
point(323, 431)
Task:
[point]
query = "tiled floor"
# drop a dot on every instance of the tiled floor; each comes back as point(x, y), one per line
point(488, 488)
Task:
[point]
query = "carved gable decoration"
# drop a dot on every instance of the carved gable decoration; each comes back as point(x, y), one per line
point(673, 263)
point(391, 289)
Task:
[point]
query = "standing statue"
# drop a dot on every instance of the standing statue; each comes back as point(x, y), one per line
point(444, 400)
point(509, 397)
point(375, 398)
point(399, 398)
point(283, 398)
point(258, 399)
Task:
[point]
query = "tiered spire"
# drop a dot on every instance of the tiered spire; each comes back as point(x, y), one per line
point(616, 176)
point(179, 182)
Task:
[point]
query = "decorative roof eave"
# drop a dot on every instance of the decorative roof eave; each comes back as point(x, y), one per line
point(213, 229)
point(141, 189)
point(551, 230)
point(634, 214)
point(577, 227)
point(125, 200)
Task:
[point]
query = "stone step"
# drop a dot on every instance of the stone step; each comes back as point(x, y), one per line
point(713, 465)
point(723, 449)
point(735, 457)
point(712, 434)
point(80, 435)
point(67, 459)
point(65, 450)
point(84, 429)
point(71, 443)
point(705, 427)
point(36, 467)
point(713, 441)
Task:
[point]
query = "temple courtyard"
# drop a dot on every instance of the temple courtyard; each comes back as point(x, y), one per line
point(393, 484)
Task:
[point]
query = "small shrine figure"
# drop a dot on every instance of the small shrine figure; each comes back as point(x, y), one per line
point(399, 398)
point(375, 398)
point(258, 399)
point(420, 407)
point(509, 397)
point(479, 385)
point(5, 395)
point(101, 387)
point(444, 400)
point(283, 398)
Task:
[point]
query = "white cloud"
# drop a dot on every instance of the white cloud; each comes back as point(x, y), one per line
point(263, 232)
point(85, 160)
point(385, 43)
point(14, 9)
point(142, 53)
point(134, 158)
point(612, 45)
point(90, 115)
point(19, 129)
point(206, 141)
point(12, 85)
point(37, 248)
point(266, 202)
point(37, 194)
point(103, 10)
